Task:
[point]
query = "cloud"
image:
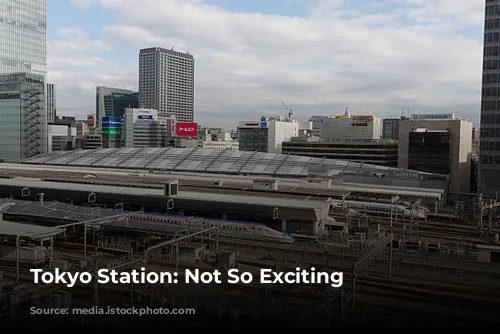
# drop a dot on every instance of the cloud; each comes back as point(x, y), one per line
point(334, 56)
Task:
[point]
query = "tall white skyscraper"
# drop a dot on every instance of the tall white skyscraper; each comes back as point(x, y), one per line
point(166, 82)
point(23, 66)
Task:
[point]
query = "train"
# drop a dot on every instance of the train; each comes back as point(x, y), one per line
point(229, 228)
point(380, 208)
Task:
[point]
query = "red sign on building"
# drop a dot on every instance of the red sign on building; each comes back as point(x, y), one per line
point(79, 129)
point(169, 128)
point(90, 121)
point(186, 129)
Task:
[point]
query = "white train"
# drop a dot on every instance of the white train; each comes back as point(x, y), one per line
point(229, 228)
point(379, 208)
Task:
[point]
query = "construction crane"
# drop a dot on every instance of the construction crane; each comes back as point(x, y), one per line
point(290, 113)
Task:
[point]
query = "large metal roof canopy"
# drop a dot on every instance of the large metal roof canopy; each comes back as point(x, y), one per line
point(220, 162)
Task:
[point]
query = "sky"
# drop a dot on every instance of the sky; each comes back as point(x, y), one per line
point(318, 56)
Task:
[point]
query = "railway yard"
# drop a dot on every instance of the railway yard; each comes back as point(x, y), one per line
point(407, 253)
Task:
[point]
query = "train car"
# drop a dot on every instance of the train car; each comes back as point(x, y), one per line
point(379, 208)
point(229, 228)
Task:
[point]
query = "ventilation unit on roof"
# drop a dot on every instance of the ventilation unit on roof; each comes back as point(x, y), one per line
point(171, 188)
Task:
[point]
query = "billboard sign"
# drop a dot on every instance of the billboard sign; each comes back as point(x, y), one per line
point(111, 122)
point(186, 129)
point(148, 117)
point(111, 133)
point(111, 127)
point(433, 116)
point(90, 121)
point(79, 129)
point(252, 124)
point(168, 128)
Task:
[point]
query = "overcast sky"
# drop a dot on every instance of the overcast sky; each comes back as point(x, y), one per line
point(319, 56)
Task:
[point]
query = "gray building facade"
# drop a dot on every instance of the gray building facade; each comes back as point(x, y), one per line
point(166, 83)
point(489, 151)
point(23, 119)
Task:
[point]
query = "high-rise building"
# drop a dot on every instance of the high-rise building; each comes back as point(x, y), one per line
point(111, 102)
point(166, 82)
point(51, 103)
point(23, 121)
point(23, 32)
point(437, 145)
point(23, 66)
point(489, 156)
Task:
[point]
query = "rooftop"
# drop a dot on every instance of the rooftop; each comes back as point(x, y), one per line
point(185, 195)
point(63, 211)
point(216, 162)
point(27, 230)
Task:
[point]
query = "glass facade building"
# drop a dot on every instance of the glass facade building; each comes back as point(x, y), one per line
point(489, 156)
point(23, 32)
point(23, 66)
point(111, 102)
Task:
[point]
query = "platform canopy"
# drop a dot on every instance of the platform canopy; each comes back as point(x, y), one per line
point(28, 230)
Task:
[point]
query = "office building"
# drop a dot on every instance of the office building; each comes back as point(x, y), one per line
point(317, 123)
point(23, 66)
point(51, 103)
point(441, 146)
point(111, 132)
point(376, 152)
point(23, 32)
point(489, 151)
point(111, 102)
point(216, 139)
point(390, 128)
point(349, 126)
point(23, 121)
point(92, 140)
point(143, 128)
point(60, 137)
point(166, 82)
point(266, 135)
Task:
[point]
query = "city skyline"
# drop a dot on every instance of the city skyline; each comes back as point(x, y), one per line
point(389, 56)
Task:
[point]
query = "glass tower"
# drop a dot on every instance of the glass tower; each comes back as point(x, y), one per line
point(23, 66)
point(23, 32)
point(489, 163)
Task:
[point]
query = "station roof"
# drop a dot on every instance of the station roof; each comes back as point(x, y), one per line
point(27, 230)
point(217, 161)
point(183, 195)
point(63, 211)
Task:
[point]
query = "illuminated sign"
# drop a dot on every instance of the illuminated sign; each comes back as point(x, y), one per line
point(263, 124)
point(186, 129)
point(252, 124)
point(90, 121)
point(168, 129)
point(79, 129)
point(433, 116)
point(145, 117)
